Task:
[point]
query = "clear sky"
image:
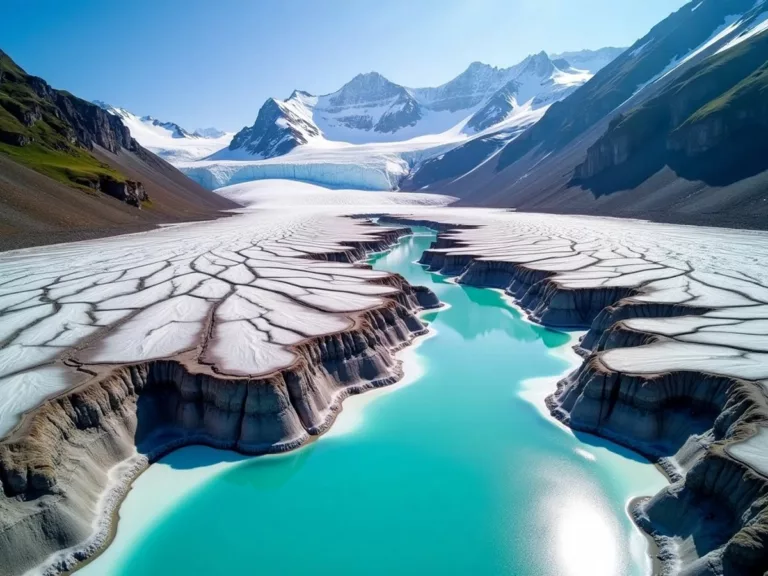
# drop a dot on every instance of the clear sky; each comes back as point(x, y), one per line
point(213, 62)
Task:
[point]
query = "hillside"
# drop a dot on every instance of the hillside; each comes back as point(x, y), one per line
point(71, 170)
point(709, 125)
point(169, 140)
point(672, 130)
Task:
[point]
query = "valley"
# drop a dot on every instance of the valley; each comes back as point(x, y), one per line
point(515, 322)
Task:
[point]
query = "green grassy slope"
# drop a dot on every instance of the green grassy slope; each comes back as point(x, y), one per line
point(710, 124)
point(35, 132)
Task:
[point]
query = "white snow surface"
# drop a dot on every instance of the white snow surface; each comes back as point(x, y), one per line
point(376, 166)
point(288, 194)
point(733, 30)
point(753, 451)
point(342, 145)
point(169, 143)
point(128, 299)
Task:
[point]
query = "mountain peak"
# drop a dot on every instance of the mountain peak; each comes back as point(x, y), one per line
point(477, 66)
point(209, 132)
point(372, 75)
point(538, 64)
point(299, 94)
point(367, 87)
point(589, 60)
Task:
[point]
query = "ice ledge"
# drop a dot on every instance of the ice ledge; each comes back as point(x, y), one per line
point(675, 361)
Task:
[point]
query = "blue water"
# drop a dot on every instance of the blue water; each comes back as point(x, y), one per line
point(453, 473)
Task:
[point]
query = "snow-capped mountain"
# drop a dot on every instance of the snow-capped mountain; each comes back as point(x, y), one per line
point(590, 60)
point(209, 132)
point(372, 109)
point(534, 83)
point(167, 139)
point(673, 128)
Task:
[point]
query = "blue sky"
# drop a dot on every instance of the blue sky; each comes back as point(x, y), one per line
point(214, 62)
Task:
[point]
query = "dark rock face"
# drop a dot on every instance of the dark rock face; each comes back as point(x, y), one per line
point(404, 112)
point(88, 123)
point(717, 105)
point(674, 36)
point(495, 110)
point(92, 125)
point(277, 131)
point(130, 192)
point(55, 120)
point(14, 138)
point(358, 122)
point(364, 89)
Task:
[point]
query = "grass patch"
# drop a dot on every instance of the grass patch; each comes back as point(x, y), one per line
point(50, 148)
point(73, 168)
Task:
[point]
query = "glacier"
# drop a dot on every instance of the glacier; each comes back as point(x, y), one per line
point(372, 133)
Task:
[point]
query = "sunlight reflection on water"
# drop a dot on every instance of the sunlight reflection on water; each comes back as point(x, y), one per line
point(586, 540)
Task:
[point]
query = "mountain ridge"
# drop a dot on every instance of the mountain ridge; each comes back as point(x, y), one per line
point(70, 170)
point(372, 108)
point(603, 150)
point(168, 139)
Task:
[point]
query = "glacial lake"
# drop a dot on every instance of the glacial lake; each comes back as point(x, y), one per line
point(458, 470)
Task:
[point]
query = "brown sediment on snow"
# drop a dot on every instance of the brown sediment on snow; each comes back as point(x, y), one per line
point(676, 357)
point(66, 465)
point(675, 367)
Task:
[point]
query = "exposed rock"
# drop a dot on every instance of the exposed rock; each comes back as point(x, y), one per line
point(278, 129)
point(53, 468)
point(14, 138)
point(130, 192)
point(717, 104)
point(713, 520)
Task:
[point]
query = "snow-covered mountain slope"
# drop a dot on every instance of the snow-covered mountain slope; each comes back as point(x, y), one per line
point(590, 60)
point(169, 140)
point(370, 108)
point(673, 129)
point(375, 166)
point(534, 83)
point(209, 132)
point(372, 133)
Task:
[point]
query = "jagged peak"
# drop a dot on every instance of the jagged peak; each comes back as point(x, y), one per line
point(269, 104)
point(539, 64)
point(369, 85)
point(209, 132)
point(478, 66)
point(372, 75)
point(367, 81)
point(296, 94)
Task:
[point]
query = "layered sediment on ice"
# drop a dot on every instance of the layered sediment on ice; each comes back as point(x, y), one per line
point(224, 322)
point(675, 359)
point(311, 329)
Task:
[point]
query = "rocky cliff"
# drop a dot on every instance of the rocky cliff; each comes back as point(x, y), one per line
point(65, 468)
point(70, 170)
point(714, 111)
point(278, 129)
point(41, 126)
point(713, 519)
